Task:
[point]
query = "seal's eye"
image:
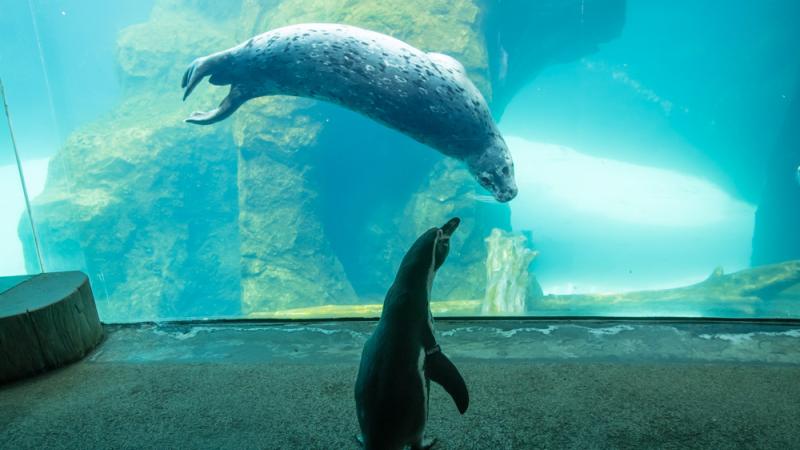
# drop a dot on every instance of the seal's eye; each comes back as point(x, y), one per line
point(484, 179)
point(505, 170)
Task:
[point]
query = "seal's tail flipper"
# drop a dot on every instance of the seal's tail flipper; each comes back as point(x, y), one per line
point(227, 107)
point(441, 370)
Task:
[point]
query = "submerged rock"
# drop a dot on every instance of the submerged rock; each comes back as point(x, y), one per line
point(152, 224)
point(510, 285)
point(766, 291)
point(523, 37)
point(287, 260)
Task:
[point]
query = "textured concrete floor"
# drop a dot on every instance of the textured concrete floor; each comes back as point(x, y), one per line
point(531, 386)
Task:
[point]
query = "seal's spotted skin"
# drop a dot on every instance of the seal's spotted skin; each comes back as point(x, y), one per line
point(427, 96)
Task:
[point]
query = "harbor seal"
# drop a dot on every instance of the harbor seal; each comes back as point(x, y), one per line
point(402, 356)
point(426, 96)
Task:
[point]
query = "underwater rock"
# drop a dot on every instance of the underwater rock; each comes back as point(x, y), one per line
point(509, 283)
point(144, 205)
point(151, 224)
point(287, 259)
point(523, 37)
point(766, 291)
point(156, 52)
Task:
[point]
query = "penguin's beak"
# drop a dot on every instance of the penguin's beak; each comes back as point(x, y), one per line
point(443, 243)
point(449, 227)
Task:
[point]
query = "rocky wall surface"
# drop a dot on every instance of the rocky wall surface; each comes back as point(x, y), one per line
point(141, 202)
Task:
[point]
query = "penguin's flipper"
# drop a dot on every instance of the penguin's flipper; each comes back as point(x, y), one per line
point(441, 370)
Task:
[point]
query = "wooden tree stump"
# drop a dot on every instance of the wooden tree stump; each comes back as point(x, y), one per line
point(46, 321)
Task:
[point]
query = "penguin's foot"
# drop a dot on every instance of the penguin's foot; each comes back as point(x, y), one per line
point(427, 444)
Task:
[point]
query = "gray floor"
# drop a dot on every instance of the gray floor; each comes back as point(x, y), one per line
point(532, 385)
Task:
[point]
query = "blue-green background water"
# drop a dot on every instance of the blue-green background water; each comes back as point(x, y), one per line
point(646, 136)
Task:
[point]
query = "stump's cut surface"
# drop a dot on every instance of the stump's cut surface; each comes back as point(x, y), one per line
point(46, 321)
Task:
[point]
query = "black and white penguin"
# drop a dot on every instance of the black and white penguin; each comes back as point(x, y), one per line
point(401, 357)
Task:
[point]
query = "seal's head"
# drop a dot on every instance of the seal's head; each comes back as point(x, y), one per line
point(494, 170)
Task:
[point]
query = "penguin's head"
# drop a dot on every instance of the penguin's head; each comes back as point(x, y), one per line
point(427, 254)
point(443, 242)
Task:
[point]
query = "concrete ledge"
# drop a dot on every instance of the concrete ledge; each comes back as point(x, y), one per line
point(46, 321)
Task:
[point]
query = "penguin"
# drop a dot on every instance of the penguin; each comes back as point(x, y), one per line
point(401, 357)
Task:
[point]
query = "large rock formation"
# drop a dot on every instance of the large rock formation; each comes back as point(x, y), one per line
point(523, 37)
point(510, 285)
point(287, 259)
point(289, 203)
point(144, 204)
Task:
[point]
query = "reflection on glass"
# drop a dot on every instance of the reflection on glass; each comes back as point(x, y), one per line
point(20, 253)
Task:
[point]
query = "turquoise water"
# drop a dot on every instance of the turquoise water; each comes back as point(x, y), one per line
point(656, 146)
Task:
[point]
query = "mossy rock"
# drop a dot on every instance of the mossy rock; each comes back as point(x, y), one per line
point(286, 258)
point(158, 51)
point(148, 206)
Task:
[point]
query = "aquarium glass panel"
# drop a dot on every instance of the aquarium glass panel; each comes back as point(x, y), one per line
point(655, 148)
point(16, 257)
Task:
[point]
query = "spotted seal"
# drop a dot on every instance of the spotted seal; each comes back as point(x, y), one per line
point(426, 96)
point(401, 357)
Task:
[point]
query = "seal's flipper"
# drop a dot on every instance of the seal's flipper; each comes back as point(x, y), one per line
point(194, 74)
point(227, 107)
point(441, 370)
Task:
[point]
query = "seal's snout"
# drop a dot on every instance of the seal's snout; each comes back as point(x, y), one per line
point(506, 195)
